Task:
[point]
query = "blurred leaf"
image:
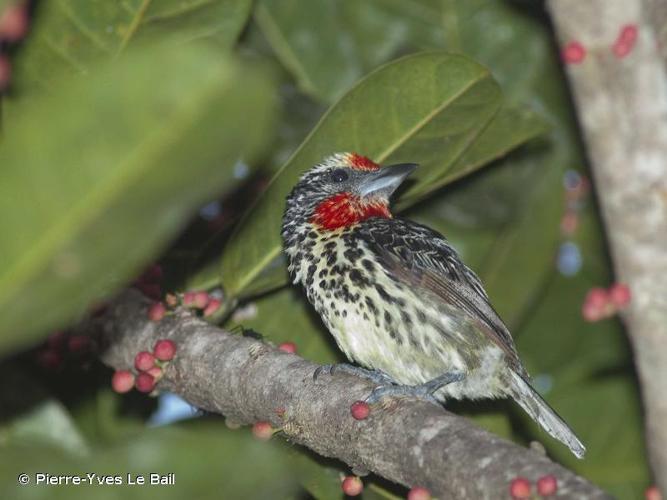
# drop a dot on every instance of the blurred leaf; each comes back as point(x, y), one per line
point(509, 128)
point(4, 3)
point(427, 108)
point(70, 35)
point(206, 459)
point(30, 417)
point(329, 44)
point(47, 424)
point(524, 251)
point(311, 40)
point(81, 215)
point(611, 414)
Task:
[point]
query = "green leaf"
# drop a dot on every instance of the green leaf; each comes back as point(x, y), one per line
point(30, 417)
point(428, 108)
point(207, 461)
point(70, 35)
point(308, 39)
point(101, 173)
point(329, 44)
point(48, 424)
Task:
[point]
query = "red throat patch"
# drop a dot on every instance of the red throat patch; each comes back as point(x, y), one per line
point(362, 163)
point(345, 209)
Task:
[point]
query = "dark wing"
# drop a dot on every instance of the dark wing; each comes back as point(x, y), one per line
point(423, 258)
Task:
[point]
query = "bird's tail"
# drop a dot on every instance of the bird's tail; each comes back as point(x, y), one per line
point(543, 414)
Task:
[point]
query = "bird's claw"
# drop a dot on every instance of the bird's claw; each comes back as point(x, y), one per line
point(423, 391)
point(375, 376)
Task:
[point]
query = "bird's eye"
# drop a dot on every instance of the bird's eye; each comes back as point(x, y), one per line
point(339, 175)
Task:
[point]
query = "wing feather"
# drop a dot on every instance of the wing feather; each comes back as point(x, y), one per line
point(424, 258)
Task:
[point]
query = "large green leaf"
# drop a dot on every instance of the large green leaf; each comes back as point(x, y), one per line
point(429, 108)
point(207, 461)
point(329, 44)
point(102, 172)
point(70, 35)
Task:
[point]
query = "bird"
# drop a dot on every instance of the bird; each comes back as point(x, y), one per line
point(396, 296)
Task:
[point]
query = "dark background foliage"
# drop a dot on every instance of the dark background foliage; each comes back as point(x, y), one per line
point(124, 118)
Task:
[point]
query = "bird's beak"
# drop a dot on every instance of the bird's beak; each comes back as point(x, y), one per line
point(383, 182)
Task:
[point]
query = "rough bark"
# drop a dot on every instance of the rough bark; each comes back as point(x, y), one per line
point(410, 442)
point(621, 101)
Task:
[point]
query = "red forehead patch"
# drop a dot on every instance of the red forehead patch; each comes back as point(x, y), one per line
point(362, 163)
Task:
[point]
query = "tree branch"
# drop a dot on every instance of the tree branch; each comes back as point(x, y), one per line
point(621, 100)
point(411, 442)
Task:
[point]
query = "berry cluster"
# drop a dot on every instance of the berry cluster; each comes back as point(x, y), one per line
point(149, 283)
point(600, 303)
point(150, 368)
point(61, 346)
point(521, 488)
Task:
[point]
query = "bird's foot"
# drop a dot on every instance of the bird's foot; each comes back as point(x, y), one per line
point(376, 376)
point(423, 391)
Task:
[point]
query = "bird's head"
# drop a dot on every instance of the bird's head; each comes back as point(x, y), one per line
point(343, 190)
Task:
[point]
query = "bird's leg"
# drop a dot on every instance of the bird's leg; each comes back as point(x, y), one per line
point(423, 391)
point(376, 376)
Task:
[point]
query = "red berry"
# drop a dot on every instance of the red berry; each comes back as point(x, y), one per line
point(213, 305)
point(13, 22)
point(49, 359)
point(78, 343)
point(597, 305)
point(652, 493)
point(419, 493)
point(155, 372)
point(619, 294)
point(200, 300)
point(144, 361)
point(352, 486)
point(144, 382)
point(122, 381)
point(598, 297)
point(188, 299)
point(547, 485)
point(164, 350)
point(625, 41)
point(262, 431)
point(56, 340)
point(591, 313)
point(360, 410)
point(520, 488)
point(157, 311)
point(289, 347)
point(573, 53)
